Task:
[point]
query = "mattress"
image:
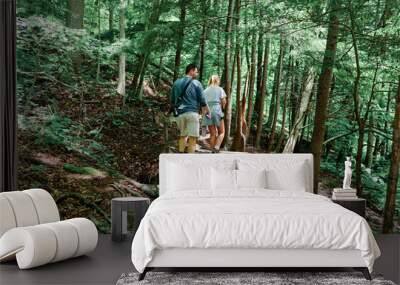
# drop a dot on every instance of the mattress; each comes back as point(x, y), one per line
point(250, 219)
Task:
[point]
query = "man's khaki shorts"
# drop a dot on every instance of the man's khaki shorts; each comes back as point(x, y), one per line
point(188, 124)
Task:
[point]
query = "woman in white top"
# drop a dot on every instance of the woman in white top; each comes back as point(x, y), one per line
point(216, 101)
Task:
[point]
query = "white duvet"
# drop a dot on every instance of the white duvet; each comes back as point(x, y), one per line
point(252, 218)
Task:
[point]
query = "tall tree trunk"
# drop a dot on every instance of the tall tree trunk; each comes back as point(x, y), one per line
point(263, 88)
point(146, 48)
point(387, 12)
point(295, 93)
point(283, 129)
point(271, 110)
point(227, 83)
point(361, 120)
point(122, 56)
point(246, 36)
point(233, 70)
point(360, 146)
point(324, 85)
point(370, 143)
point(111, 18)
point(218, 4)
point(275, 101)
point(239, 139)
point(377, 146)
point(390, 204)
point(357, 111)
point(75, 13)
point(384, 44)
point(203, 38)
point(384, 144)
point(260, 58)
point(181, 34)
point(243, 105)
point(283, 120)
point(307, 89)
point(250, 105)
point(98, 38)
point(160, 70)
point(305, 129)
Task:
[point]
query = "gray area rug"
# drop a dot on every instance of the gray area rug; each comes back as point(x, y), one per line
point(236, 278)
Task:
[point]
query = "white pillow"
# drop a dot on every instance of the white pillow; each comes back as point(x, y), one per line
point(291, 179)
point(251, 178)
point(224, 179)
point(183, 177)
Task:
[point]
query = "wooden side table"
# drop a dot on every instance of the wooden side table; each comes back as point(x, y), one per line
point(357, 205)
point(119, 215)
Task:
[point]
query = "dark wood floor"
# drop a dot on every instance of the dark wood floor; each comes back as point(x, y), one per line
point(110, 260)
point(103, 266)
point(389, 263)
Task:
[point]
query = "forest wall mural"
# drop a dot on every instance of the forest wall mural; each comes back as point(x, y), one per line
point(94, 78)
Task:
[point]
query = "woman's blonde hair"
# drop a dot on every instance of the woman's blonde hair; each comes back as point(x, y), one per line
point(214, 80)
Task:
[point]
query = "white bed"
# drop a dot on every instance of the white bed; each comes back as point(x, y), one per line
point(198, 223)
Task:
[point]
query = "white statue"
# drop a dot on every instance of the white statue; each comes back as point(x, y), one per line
point(347, 174)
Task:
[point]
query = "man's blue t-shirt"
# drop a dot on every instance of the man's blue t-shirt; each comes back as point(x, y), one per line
point(193, 98)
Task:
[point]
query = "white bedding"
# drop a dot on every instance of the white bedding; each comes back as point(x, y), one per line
point(251, 218)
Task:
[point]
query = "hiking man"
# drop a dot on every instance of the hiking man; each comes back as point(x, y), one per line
point(187, 98)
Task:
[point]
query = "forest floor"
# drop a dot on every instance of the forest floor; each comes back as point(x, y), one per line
point(85, 169)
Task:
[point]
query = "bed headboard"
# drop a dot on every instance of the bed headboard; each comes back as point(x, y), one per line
point(211, 159)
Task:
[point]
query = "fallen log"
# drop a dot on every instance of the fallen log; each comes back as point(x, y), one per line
point(124, 190)
point(149, 189)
